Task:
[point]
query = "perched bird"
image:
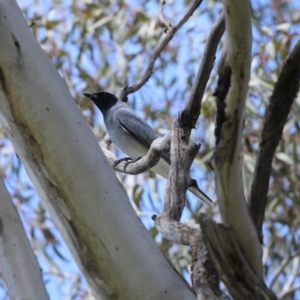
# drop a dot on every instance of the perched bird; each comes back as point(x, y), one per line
point(133, 135)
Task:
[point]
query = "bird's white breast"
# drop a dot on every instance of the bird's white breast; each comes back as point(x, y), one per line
point(131, 147)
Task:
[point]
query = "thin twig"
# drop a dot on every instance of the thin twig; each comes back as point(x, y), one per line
point(291, 290)
point(105, 142)
point(284, 93)
point(123, 92)
point(162, 20)
point(294, 272)
point(283, 264)
point(193, 105)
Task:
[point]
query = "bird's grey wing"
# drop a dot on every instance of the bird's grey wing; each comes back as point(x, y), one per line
point(138, 128)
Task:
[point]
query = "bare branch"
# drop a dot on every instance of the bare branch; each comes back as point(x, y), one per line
point(284, 93)
point(193, 106)
point(234, 75)
point(158, 147)
point(291, 279)
point(106, 142)
point(232, 266)
point(123, 92)
point(109, 155)
point(174, 231)
point(162, 20)
point(205, 278)
point(296, 287)
point(182, 156)
point(283, 264)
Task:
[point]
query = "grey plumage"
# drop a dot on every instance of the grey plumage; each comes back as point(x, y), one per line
point(132, 134)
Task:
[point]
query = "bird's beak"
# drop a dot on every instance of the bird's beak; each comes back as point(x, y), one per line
point(90, 95)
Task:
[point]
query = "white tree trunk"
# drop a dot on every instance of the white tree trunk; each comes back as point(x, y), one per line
point(17, 259)
point(87, 202)
point(229, 184)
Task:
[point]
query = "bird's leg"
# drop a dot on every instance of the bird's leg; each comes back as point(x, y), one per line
point(131, 162)
point(120, 160)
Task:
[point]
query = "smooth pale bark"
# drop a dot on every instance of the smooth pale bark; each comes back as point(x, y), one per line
point(87, 202)
point(17, 259)
point(227, 160)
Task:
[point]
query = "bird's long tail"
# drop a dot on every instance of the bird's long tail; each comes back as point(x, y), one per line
point(163, 167)
point(197, 192)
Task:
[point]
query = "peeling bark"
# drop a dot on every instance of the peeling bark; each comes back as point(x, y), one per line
point(234, 72)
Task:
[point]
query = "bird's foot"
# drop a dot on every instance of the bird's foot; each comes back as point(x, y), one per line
point(128, 161)
point(120, 160)
point(131, 162)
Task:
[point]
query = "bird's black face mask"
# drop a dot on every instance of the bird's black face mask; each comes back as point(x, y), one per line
point(103, 100)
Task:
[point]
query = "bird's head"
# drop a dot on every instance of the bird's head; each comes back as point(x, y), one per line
point(103, 100)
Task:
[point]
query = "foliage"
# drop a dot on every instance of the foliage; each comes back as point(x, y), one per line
point(105, 45)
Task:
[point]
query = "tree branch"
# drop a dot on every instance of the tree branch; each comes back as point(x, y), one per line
point(174, 231)
point(288, 286)
point(293, 289)
point(125, 91)
point(182, 156)
point(204, 276)
point(158, 147)
point(283, 264)
point(162, 20)
point(193, 106)
point(106, 142)
point(235, 65)
point(232, 266)
point(285, 91)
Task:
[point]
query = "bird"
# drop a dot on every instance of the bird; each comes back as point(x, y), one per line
point(131, 134)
